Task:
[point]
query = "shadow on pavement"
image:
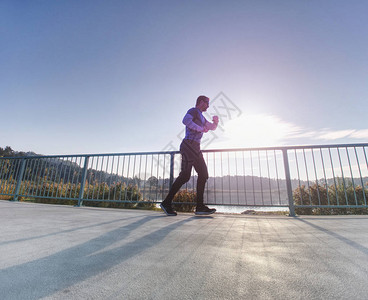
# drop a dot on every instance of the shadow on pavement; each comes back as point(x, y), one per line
point(63, 231)
point(70, 266)
point(351, 243)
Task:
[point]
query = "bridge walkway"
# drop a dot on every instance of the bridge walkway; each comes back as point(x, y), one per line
point(62, 252)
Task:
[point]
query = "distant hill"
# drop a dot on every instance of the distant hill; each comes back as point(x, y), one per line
point(9, 152)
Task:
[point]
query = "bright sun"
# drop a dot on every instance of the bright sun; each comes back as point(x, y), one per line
point(255, 131)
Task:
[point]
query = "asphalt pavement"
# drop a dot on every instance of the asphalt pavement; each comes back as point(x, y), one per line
point(64, 252)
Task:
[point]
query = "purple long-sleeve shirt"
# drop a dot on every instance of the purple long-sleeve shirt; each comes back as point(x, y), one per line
point(196, 124)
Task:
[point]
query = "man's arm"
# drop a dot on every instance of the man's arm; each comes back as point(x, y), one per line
point(212, 126)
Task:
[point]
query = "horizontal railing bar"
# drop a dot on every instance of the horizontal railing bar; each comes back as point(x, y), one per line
point(289, 147)
point(45, 197)
point(331, 206)
point(204, 151)
point(121, 201)
point(235, 204)
point(85, 155)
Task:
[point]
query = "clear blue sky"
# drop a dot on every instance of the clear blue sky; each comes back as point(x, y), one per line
point(118, 76)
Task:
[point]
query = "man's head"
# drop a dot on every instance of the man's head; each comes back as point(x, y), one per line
point(202, 103)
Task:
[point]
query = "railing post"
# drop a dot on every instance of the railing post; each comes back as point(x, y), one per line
point(288, 182)
point(172, 155)
point(84, 176)
point(19, 180)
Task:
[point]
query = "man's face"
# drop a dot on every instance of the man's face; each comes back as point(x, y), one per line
point(204, 104)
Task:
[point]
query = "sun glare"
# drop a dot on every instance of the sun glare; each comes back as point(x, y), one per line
point(256, 131)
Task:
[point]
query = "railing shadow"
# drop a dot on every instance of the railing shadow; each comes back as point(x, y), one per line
point(70, 266)
point(63, 231)
point(349, 242)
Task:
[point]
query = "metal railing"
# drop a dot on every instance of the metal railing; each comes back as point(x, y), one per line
point(333, 176)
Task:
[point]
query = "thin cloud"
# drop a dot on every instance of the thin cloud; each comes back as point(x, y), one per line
point(333, 134)
point(342, 134)
point(360, 134)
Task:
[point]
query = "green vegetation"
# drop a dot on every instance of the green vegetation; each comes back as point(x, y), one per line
point(188, 197)
point(344, 194)
point(57, 181)
point(116, 195)
point(120, 195)
point(9, 152)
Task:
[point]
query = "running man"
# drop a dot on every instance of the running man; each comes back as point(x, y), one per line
point(191, 156)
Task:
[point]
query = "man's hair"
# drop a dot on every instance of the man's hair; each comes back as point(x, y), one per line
point(200, 98)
